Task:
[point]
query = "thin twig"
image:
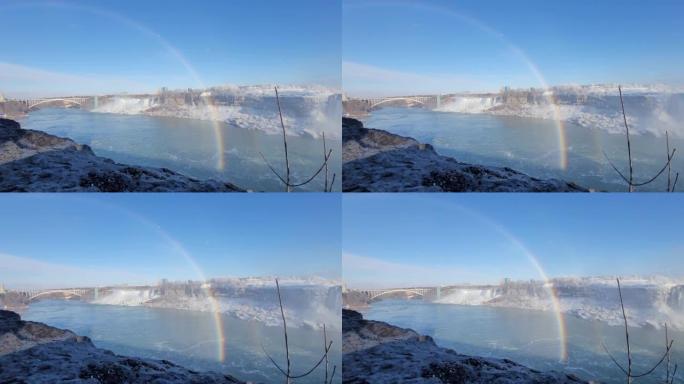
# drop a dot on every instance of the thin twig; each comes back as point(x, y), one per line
point(675, 182)
point(645, 182)
point(332, 182)
point(287, 348)
point(674, 372)
point(624, 316)
point(669, 169)
point(282, 125)
point(286, 180)
point(657, 364)
point(325, 345)
point(290, 376)
point(613, 358)
point(629, 144)
point(667, 339)
point(335, 367)
point(325, 185)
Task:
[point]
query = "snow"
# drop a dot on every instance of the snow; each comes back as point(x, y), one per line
point(308, 302)
point(651, 109)
point(311, 110)
point(649, 301)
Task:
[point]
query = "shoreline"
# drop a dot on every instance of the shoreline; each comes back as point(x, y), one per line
point(376, 351)
point(375, 160)
point(34, 351)
point(35, 161)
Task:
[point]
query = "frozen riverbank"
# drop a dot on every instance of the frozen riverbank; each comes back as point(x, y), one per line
point(34, 161)
point(379, 161)
point(310, 111)
point(308, 302)
point(377, 352)
point(33, 352)
point(650, 109)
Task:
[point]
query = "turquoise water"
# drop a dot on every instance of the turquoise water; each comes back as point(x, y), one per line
point(531, 337)
point(189, 146)
point(531, 146)
point(189, 338)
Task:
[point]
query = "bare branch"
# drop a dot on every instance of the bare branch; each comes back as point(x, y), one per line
point(613, 358)
point(667, 351)
point(315, 174)
point(629, 144)
point(287, 179)
point(325, 345)
point(673, 374)
point(272, 169)
point(669, 170)
point(325, 185)
point(630, 180)
point(282, 313)
point(332, 182)
point(632, 184)
point(624, 316)
point(282, 125)
point(675, 182)
point(667, 339)
point(335, 367)
point(658, 174)
point(615, 168)
point(288, 372)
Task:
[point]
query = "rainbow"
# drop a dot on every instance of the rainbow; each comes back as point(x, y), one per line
point(178, 248)
point(173, 51)
point(534, 69)
point(536, 264)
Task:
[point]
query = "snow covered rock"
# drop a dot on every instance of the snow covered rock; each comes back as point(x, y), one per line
point(36, 353)
point(377, 352)
point(379, 161)
point(34, 161)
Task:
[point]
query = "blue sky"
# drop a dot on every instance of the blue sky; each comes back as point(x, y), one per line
point(408, 47)
point(420, 239)
point(84, 47)
point(52, 240)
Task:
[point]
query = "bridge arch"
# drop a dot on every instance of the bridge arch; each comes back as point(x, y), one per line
point(388, 100)
point(65, 293)
point(420, 292)
point(66, 101)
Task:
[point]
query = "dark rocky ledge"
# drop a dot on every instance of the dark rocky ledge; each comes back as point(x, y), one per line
point(377, 352)
point(379, 161)
point(34, 161)
point(36, 353)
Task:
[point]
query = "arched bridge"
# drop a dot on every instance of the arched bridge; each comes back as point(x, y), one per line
point(27, 105)
point(427, 293)
point(73, 101)
point(66, 293)
point(63, 293)
point(356, 106)
point(432, 101)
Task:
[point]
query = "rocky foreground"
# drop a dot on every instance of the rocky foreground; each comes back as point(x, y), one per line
point(36, 353)
point(377, 352)
point(378, 161)
point(34, 161)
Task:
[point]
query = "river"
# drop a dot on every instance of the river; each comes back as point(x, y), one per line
point(190, 146)
point(531, 337)
point(189, 338)
point(532, 146)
